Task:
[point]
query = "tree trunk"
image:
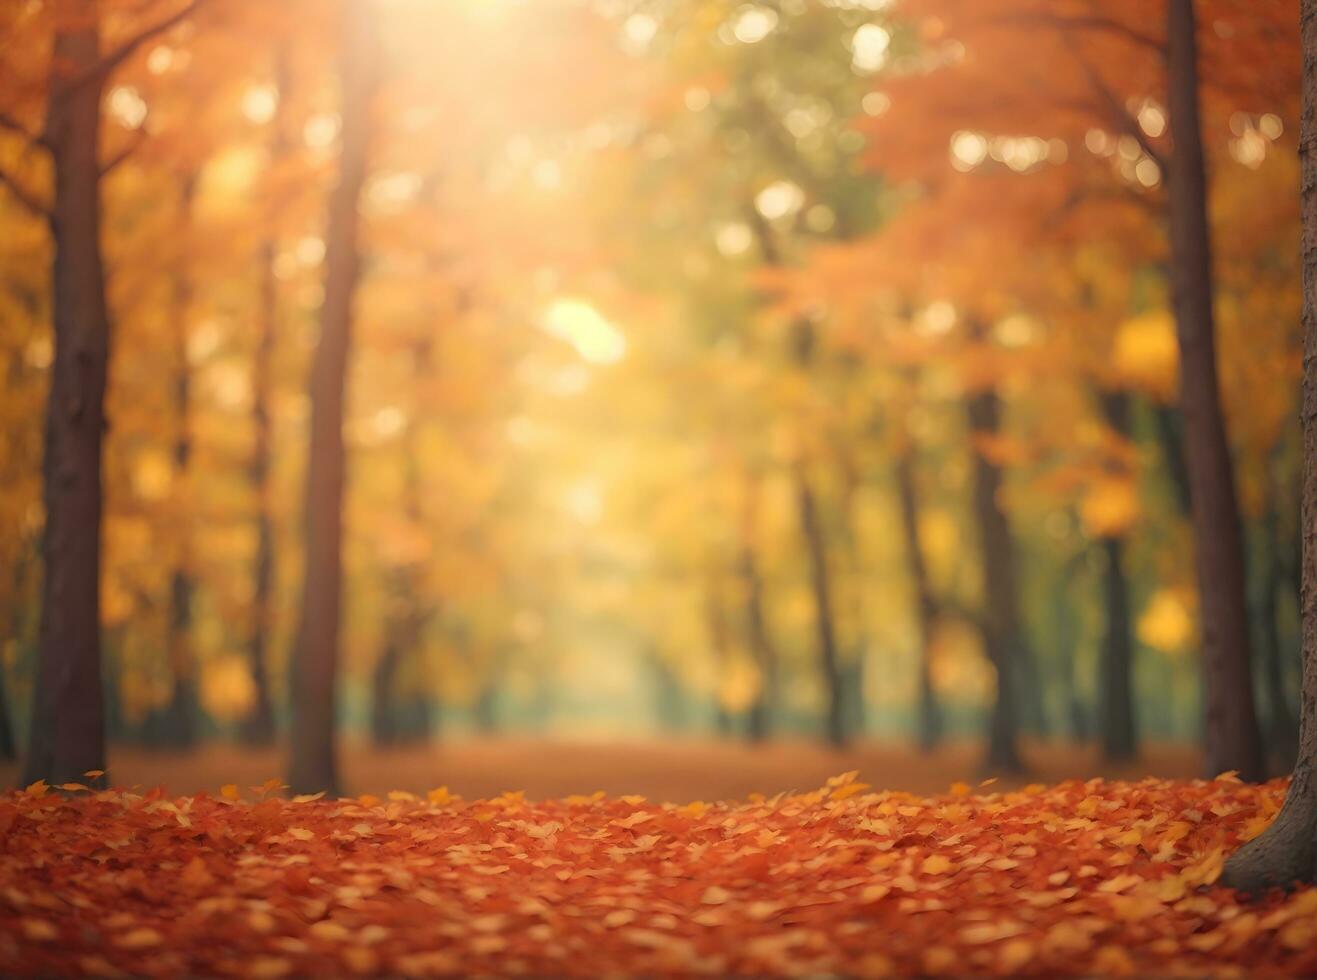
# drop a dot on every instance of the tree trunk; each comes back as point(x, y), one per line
point(1287, 851)
point(258, 727)
point(1230, 730)
point(930, 725)
point(1282, 727)
point(1001, 626)
point(1065, 630)
point(383, 706)
point(720, 641)
point(1171, 440)
point(1116, 720)
point(315, 652)
point(179, 721)
point(761, 711)
point(8, 748)
point(409, 612)
point(811, 526)
point(756, 623)
point(1116, 697)
point(68, 717)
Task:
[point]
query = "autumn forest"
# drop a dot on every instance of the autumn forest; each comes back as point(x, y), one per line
point(420, 414)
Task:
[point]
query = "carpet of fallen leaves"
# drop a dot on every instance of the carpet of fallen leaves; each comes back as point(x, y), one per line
point(1084, 877)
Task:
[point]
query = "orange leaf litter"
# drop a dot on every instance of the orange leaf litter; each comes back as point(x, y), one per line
point(1085, 877)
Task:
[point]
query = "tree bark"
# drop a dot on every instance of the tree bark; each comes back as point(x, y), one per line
point(8, 747)
point(820, 581)
point(1002, 635)
point(315, 653)
point(930, 724)
point(258, 727)
point(409, 610)
point(67, 735)
point(1116, 701)
point(761, 646)
point(1281, 729)
point(1171, 440)
point(721, 642)
point(1116, 719)
point(1287, 851)
point(179, 722)
point(1230, 734)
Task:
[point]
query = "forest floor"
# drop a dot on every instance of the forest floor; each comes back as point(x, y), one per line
point(1081, 878)
point(679, 770)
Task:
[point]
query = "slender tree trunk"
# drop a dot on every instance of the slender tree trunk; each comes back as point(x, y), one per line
point(930, 725)
point(1171, 440)
point(816, 547)
point(1230, 732)
point(1116, 720)
point(179, 723)
point(68, 717)
point(258, 726)
point(315, 654)
point(854, 714)
point(721, 642)
point(1116, 700)
point(8, 747)
point(756, 623)
point(1002, 633)
point(761, 646)
point(820, 581)
point(406, 629)
point(1287, 851)
point(383, 702)
point(1065, 630)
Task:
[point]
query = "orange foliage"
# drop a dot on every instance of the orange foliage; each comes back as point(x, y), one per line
point(1084, 877)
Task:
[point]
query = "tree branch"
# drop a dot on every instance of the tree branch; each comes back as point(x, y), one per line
point(1118, 113)
point(1086, 22)
point(24, 197)
point(12, 125)
point(109, 62)
point(112, 164)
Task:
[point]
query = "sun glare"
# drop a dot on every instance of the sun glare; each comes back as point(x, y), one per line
point(581, 325)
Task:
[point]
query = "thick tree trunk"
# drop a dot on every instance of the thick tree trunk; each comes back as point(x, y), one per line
point(68, 723)
point(1280, 726)
point(315, 653)
point(1116, 720)
point(1001, 627)
point(930, 725)
point(1287, 851)
point(179, 721)
point(1230, 731)
point(820, 582)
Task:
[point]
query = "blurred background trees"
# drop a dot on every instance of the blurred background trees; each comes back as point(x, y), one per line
point(827, 369)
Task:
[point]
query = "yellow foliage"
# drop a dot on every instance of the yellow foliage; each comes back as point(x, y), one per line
point(1110, 506)
point(1146, 354)
point(1167, 622)
point(227, 689)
